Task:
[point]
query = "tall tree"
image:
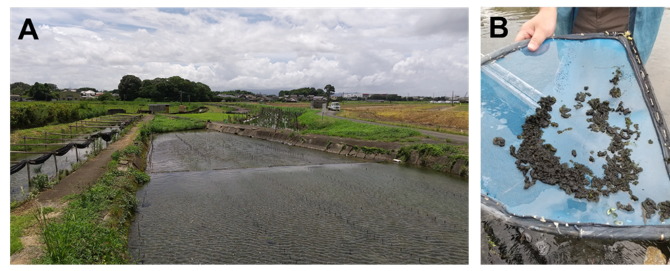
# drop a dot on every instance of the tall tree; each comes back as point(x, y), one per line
point(40, 92)
point(129, 87)
point(329, 91)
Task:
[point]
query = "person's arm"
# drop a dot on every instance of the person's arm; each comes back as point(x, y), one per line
point(538, 28)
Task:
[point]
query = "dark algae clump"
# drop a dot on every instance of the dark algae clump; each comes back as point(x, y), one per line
point(622, 110)
point(599, 113)
point(649, 207)
point(581, 96)
point(564, 112)
point(499, 141)
point(615, 91)
point(564, 130)
point(664, 210)
point(537, 161)
point(622, 207)
point(651, 142)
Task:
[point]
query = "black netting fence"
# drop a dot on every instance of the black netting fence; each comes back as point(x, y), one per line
point(106, 136)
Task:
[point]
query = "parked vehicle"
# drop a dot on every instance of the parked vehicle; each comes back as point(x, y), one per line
point(335, 106)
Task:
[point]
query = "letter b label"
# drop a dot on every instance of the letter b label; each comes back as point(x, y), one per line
point(495, 26)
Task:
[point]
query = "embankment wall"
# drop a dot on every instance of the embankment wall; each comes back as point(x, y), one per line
point(334, 145)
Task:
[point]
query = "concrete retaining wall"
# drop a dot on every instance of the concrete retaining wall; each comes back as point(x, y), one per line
point(332, 145)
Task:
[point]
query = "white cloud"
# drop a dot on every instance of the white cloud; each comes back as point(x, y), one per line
point(95, 24)
point(356, 50)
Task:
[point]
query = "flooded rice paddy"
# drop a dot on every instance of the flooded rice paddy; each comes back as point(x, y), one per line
point(226, 199)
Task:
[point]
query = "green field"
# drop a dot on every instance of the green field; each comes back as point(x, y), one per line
point(346, 128)
point(164, 124)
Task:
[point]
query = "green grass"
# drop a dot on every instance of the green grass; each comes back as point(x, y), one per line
point(351, 129)
point(210, 115)
point(93, 228)
point(16, 225)
point(437, 129)
point(164, 124)
point(463, 107)
point(454, 152)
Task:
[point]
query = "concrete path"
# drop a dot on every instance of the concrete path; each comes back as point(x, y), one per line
point(442, 136)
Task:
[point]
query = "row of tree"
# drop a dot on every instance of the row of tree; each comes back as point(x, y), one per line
point(174, 88)
point(44, 91)
point(237, 92)
point(303, 91)
point(327, 91)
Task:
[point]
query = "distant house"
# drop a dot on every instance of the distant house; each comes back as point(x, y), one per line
point(227, 96)
point(69, 96)
point(88, 94)
point(16, 98)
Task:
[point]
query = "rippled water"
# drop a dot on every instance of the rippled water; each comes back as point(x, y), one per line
point(280, 204)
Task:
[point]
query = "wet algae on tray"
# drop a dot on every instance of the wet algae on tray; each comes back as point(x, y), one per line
point(538, 161)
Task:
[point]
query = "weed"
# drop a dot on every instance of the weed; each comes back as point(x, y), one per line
point(116, 155)
point(464, 171)
point(16, 225)
point(40, 182)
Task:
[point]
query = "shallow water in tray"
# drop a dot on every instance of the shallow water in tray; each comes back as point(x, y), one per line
point(292, 205)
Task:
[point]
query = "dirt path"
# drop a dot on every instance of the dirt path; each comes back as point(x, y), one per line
point(88, 173)
point(438, 135)
point(76, 182)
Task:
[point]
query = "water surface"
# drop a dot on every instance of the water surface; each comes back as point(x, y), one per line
point(274, 203)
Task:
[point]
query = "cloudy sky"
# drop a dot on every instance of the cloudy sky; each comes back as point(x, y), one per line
point(415, 51)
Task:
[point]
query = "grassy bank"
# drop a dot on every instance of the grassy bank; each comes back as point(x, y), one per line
point(427, 152)
point(164, 124)
point(314, 124)
point(214, 114)
point(93, 228)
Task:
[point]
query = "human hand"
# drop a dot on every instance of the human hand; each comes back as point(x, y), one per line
point(538, 28)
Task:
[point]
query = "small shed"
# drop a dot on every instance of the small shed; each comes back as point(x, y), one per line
point(157, 108)
point(317, 104)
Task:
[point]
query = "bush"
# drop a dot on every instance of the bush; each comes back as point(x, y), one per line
point(116, 155)
point(40, 182)
point(139, 176)
point(132, 150)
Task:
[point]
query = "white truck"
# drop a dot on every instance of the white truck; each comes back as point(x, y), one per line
point(335, 106)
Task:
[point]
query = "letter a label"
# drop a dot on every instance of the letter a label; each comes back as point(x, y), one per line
point(28, 24)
